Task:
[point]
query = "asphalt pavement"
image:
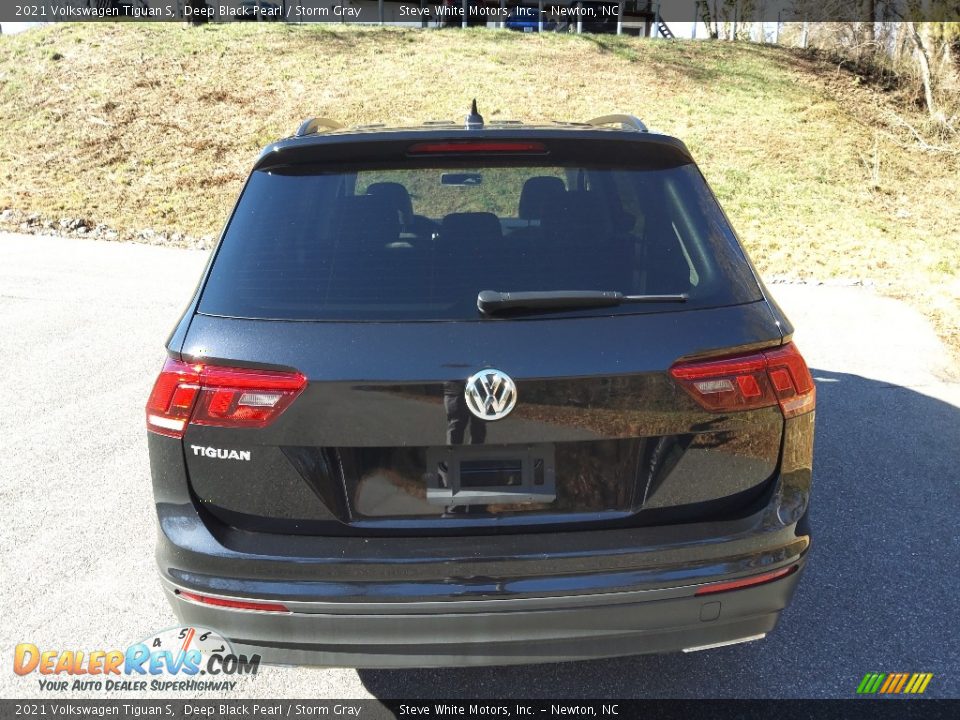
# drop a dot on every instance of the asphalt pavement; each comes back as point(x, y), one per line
point(83, 325)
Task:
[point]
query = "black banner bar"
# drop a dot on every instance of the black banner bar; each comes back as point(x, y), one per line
point(853, 709)
point(416, 13)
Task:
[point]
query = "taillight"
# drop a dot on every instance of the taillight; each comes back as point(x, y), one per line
point(215, 395)
point(746, 382)
point(172, 399)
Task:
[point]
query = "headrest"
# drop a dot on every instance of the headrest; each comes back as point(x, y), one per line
point(471, 225)
point(396, 195)
point(538, 194)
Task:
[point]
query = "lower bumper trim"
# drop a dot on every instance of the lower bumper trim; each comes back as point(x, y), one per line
point(403, 636)
point(738, 641)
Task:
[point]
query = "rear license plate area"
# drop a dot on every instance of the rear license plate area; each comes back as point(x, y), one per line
point(485, 475)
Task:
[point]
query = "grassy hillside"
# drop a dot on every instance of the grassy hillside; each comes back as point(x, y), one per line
point(155, 126)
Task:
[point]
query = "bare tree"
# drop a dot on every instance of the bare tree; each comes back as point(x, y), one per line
point(923, 62)
point(707, 18)
point(869, 18)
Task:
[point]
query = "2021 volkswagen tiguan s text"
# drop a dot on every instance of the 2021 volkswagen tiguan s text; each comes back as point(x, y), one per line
point(480, 394)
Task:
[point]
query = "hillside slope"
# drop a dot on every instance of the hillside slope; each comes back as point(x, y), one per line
point(155, 126)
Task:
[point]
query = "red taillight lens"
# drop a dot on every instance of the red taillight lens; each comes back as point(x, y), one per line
point(791, 380)
point(238, 397)
point(215, 395)
point(234, 604)
point(477, 146)
point(746, 382)
point(172, 398)
point(712, 588)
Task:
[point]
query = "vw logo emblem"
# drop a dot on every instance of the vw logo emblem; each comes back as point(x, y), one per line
point(490, 394)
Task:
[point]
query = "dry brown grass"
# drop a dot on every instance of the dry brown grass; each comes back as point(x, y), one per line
point(156, 125)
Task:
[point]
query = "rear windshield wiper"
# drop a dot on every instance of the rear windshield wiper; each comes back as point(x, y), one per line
point(491, 301)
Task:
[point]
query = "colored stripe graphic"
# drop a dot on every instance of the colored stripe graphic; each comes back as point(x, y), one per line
point(870, 683)
point(903, 680)
point(894, 683)
point(918, 683)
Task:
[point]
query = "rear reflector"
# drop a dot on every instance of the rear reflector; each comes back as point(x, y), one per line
point(746, 382)
point(233, 604)
point(220, 396)
point(477, 146)
point(720, 587)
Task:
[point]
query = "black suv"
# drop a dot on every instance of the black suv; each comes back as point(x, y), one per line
point(480, 393)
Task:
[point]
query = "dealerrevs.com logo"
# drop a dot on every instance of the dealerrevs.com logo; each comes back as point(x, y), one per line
point(177, 659)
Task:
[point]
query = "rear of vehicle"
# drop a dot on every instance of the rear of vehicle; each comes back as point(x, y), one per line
point(355, 465)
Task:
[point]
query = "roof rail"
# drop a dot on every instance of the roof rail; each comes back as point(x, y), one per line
point(312, 126)
point(626, 122)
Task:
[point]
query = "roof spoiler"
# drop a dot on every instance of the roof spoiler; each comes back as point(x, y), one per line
point(317, 125)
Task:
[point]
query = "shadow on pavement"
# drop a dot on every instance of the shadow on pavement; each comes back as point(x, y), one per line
point(879, 593)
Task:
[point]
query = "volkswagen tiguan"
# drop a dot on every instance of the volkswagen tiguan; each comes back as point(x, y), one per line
point(480, 393)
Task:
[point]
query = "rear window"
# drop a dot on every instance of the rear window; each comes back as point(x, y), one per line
point(419, 243)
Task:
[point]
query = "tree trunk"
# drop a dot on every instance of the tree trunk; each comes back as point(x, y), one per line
point(869, 17)
point(923, 61)
point(900, 45)
point(706, 18)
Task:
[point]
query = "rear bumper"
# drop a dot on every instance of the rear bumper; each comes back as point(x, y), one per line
point(473, 600)
point(496, 632)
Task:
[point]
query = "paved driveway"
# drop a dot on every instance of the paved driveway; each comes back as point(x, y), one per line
point(83, 325)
